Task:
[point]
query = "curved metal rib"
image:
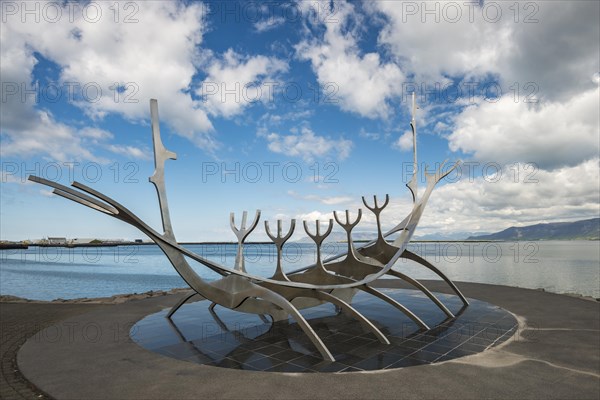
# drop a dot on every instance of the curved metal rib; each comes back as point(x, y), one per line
point(423, 289)
point(394, 303)
point(416, 258)
point(76, 196)
point(181, 302)
point(280, 301)
point(250, 293)
point(354, 313)
point(127, 216)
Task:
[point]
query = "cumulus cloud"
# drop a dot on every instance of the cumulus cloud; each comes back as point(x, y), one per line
point(44, 135)
point(315, 216)
point(516, 195)
point(359, 83)
point(308, 145)
point(550, 134)
point(234, 82)
point(129, 151)
point(494, 203)
point(404, 142)
point(554, 45)
point(269, 23)
point(434, 45)
point(368, 135)
point(327, 200)
point(26, 130)
point(124, 63)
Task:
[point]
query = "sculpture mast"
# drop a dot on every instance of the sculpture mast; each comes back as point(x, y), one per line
point(412, 185)
point(161, 154)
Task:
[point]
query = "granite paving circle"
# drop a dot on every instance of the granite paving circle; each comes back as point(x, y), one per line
point(228, 339)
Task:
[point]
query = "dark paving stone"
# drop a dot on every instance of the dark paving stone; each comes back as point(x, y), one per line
point(347, 359)
point(480, 341)
point(200, 359)
point(326, 366)
point(438, 348)
point(402, 351)
point(287, 367)
point(408, 362)
point(459, 352)
point(474, 348)
point(241, 355)
point(338, 338)
point(254, 345)
point(424, 355)
point(264, 363)
point(287, 355)
point(358, 342)
point(413, 344)
point(367, 351)
point(242, 341)
point(307, 361)
point(379, 361)
point(227, 363)
point(269, 350)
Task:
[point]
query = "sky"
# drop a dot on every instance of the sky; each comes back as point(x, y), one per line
point(299, 109)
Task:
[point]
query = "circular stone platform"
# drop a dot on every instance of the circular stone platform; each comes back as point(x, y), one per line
point(230, 339)
point(553, 355)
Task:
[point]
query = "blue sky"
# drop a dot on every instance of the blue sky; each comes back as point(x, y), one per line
point(298, 109)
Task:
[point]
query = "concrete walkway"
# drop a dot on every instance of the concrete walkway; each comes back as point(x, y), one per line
point(555, 355)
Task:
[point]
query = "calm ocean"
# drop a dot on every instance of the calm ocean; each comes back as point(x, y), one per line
point(44, 273)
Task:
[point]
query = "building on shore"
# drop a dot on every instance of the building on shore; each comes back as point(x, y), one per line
point(56, 240)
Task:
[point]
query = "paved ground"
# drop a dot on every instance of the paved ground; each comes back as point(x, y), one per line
point(18, 322)
point(556, 354)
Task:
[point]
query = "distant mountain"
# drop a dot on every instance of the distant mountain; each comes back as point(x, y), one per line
point(361, 236)
point(588, 229)
point(447, 236)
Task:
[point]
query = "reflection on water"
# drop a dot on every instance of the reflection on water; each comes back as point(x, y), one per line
point(48, 273)
point(229, 339)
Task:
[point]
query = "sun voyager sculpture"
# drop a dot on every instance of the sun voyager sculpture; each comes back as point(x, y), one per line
point(333, 280)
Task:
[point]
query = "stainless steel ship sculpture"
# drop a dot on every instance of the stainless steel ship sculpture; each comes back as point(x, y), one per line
point(333, 280)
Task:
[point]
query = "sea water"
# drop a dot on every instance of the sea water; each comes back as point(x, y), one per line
point(47, 273)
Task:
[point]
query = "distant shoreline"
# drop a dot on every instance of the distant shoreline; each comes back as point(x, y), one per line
point(21, 246)
point(125, 297)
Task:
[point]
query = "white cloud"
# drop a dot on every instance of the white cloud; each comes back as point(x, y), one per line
point(433, 48)
point(268, 24)
point(551, 134)
point(404, 142)
point(368, 135)
point(493, 204)
point(552, 44)
point(139, 57)
point(234, 82)
point(271, 119)
point(308, 145)
point(315, 216)
point(360, 83)
point(25, 130)
point(60, 141)
point(129, 151)
point(327, 200)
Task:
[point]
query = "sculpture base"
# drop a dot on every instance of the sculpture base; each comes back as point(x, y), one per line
point(230, 339)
